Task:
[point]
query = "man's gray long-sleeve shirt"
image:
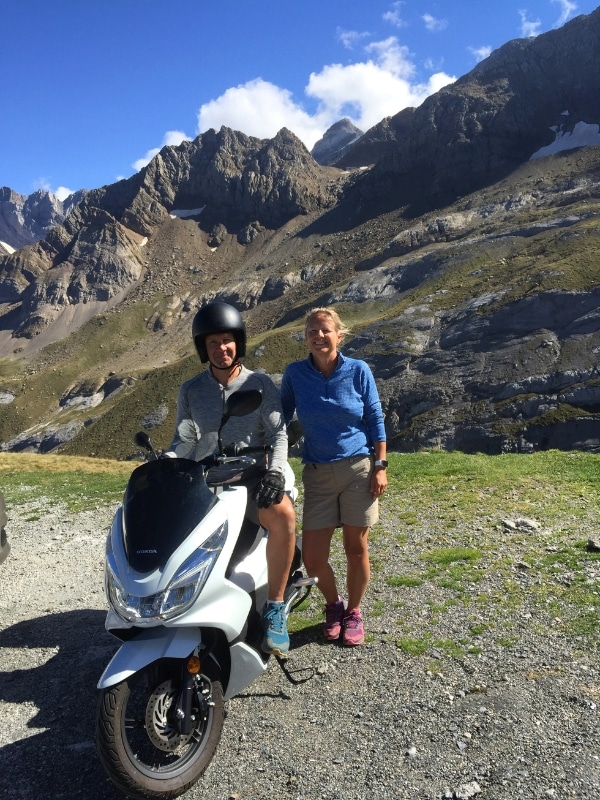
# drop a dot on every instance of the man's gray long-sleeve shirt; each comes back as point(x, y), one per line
point(200, 407)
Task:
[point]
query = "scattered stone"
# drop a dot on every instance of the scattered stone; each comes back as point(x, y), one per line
point(593, 544)
point(522, 524)
point(467, 790)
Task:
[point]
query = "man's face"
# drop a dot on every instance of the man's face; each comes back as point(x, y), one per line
point(221, 349)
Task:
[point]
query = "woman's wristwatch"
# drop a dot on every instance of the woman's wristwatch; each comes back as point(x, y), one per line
point(381, 462)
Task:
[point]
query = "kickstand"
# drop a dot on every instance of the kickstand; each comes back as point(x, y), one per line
point(289, 674)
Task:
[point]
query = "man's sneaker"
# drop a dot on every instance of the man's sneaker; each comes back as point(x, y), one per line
point(334, 613)
point(275, 640)
point(354, 632)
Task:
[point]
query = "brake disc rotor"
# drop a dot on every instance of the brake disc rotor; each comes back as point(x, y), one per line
point(160, 723)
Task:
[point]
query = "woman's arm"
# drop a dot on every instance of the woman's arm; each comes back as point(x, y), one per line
point(288, 402)
point(379, 479)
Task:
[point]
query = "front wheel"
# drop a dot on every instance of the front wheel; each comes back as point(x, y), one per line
point(138, 736)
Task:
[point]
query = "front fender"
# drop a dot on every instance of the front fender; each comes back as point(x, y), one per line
point(148, 646)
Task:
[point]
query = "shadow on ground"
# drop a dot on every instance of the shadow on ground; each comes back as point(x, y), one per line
point(57, 758)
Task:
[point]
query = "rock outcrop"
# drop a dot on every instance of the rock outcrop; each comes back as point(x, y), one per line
point(24, 219)
point(479, 129)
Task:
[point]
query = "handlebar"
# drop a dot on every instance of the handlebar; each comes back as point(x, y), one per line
point(239, 449)
point(216, 460)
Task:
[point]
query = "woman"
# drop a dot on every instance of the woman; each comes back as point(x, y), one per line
point(336, 401)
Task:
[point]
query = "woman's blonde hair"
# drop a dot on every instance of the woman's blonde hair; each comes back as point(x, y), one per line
point(333, 316)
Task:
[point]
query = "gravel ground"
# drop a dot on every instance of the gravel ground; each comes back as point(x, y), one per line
point(504, 720)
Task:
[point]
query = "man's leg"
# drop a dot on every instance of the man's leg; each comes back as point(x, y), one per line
point(280, 521)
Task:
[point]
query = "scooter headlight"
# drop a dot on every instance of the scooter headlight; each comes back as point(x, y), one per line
point(181, 592)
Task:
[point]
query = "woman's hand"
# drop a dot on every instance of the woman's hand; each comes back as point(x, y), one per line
point(379, 481)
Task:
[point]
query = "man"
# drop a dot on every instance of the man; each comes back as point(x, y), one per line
point(219, 336)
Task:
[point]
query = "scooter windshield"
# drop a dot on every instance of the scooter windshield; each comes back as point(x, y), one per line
point(164, 501)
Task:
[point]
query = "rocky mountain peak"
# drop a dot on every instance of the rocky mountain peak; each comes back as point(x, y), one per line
point(25, 219)
point(336, 141)
point(227, 181)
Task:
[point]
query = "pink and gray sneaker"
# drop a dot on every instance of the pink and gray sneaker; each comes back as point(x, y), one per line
point(334, 613)
point(353, 629)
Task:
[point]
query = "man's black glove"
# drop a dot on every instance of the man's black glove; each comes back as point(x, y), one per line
point(270, 489)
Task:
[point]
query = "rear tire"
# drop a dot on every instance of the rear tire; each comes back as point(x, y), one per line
point(137, 738)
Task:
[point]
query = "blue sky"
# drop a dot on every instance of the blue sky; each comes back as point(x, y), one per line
point(91, 90)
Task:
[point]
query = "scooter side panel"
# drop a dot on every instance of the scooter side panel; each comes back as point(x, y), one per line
point(246, 667)
point(227, 609)
point(149, 646)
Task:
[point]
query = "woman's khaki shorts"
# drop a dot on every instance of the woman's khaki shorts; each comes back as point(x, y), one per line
point(338, 493)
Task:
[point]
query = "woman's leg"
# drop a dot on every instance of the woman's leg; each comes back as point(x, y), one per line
point(358, 570)
point(315, 554)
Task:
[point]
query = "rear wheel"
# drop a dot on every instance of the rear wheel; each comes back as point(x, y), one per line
point(138, 737)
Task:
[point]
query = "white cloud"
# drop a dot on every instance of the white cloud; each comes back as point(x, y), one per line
point(529, 27)
point(393, 16)
point(392, 58)
point(480, 52)
point(532, 27)
point(172, 138)
point(351, 38)
point(366, 92)
point(433, 24)
point(62, 193)
point(567, 10)
point(259, 108)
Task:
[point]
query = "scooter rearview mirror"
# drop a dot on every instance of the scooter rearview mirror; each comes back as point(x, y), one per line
point(239, 404)
point(294, 432)
point(142, 439)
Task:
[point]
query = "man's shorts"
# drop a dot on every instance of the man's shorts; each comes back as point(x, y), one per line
point(338, 493)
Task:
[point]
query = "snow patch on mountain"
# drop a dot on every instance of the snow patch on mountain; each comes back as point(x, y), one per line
point(582, 135)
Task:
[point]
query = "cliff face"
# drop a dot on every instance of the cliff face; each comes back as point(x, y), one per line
point(468, 272)
point(481, 128)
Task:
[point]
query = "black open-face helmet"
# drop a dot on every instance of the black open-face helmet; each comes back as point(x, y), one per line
point(218, 317)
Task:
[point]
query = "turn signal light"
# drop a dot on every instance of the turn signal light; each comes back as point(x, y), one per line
point(193, 665)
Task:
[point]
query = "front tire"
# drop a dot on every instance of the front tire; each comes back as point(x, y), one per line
point(138, 739)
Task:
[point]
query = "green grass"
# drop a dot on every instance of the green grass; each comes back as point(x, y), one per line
point(78, 483)
point(403, 580)
point(444, 556)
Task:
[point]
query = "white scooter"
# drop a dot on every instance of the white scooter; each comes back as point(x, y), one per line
point(186, 581)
